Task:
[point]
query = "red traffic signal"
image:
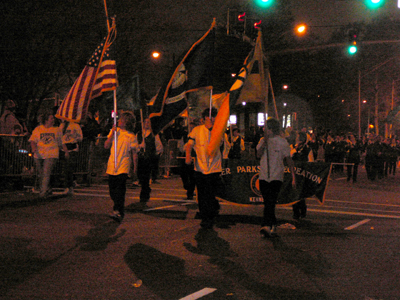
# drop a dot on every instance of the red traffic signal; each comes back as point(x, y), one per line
point(242, 17)
point(257, 25)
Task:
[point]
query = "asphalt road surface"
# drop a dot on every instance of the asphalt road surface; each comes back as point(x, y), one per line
point(68, 248)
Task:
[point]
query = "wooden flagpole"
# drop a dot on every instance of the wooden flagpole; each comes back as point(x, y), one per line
point(115, 90)
point(273, 96)
point(108, 22)
point(142, 125)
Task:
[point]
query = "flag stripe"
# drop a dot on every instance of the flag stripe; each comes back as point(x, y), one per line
point(106, 78)
point(80, 90)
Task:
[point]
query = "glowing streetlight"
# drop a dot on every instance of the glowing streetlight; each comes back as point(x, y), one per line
point(301, 29)
point(155, 54)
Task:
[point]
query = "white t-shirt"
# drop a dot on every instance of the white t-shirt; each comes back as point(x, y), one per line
point(126, 142)
point(278, 149)
point(48, 141)
point(200, 137)
point(73, 134)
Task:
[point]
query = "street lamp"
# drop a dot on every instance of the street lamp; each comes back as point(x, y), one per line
point(301, 29)
point(158, 55)
point(155, 54)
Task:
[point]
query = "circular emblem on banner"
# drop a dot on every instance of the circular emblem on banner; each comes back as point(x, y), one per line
point(255, 185)
point(180, 77)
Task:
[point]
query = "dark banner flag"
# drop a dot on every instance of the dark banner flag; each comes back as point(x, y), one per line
point(193, 72)
point(240, 183)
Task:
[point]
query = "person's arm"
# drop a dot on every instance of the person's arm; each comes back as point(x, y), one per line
point(135, 162)
point(65, 149)
point(61, 143)
point(108, 142)
point(188, 156)
point(261, 147)
point(290, 164)
point(159, 145)
point(33, 147)
point(242, 147)
point(79, 137)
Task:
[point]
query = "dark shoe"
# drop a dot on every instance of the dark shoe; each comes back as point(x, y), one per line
point(134, 186)
point(303, 212)
point(207, 224)
point(116, 216)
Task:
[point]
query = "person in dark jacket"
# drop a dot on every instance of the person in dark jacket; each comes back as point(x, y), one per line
point(237, 145)
point(353, 156)
point(150, 149)
point(301, 152)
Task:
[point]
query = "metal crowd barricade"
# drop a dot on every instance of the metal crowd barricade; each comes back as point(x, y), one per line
point(169, 157)
point(82, 163)
point(16, 159)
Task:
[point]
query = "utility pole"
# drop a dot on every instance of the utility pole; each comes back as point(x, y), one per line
point(359, 104)
point(376, 107)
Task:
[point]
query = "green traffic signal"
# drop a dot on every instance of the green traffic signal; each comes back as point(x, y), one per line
point(264, 3)
point(373, 4)
point(352, 49)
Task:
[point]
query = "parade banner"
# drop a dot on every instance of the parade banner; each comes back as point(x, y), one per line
point(240, 183)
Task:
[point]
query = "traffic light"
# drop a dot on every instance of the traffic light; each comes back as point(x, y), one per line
point(374, 4)
point(257, 25)
point(352, 47)
point(264, 3)
point(240, 24)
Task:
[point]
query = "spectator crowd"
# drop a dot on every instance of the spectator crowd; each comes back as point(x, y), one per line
point(379, 156)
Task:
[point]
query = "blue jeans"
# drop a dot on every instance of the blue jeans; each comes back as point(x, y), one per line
point(44, 168)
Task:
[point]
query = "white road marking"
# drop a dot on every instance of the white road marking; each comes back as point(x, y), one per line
point(169, 206)
point(357, 224)
point(349, 213)
point(376, 215)
point(199, 294)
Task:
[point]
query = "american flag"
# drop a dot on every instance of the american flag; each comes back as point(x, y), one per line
point(98, 76)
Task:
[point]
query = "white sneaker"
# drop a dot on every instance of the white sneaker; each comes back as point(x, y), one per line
point(265, 231)
point(269, 231)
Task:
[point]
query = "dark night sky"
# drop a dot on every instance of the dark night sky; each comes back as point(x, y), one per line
point(172, 26)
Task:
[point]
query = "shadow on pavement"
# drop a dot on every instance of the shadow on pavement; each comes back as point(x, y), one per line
point(28, 200)
point(98, 238)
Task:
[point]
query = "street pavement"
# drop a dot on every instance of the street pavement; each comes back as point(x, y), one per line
point(68, 248)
